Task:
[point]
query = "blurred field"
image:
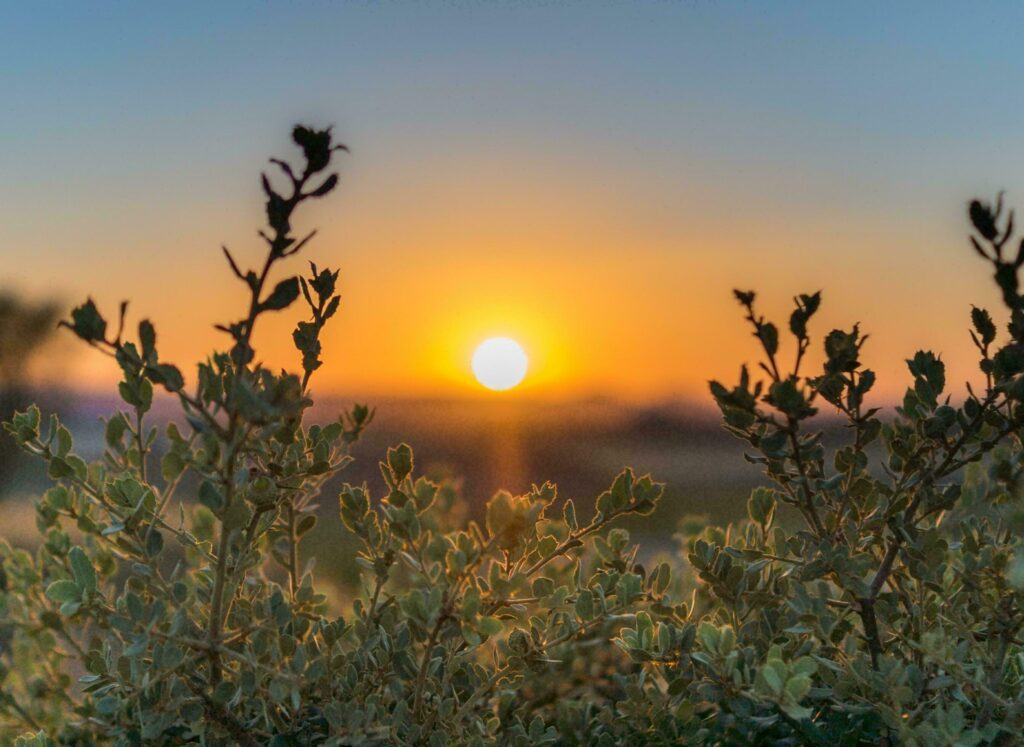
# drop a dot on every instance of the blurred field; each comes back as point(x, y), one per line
point(490, 445)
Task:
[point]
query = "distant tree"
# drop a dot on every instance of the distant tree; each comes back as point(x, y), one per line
point(25, 327)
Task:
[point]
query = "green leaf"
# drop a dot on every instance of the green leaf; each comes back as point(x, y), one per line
point(489, 626)
point(171, 465)
point(569, 515)
point(543, 586)
point(661, 578)
point(761, 506)
point(797, 687)
point(81, 567)
point(787, 397)
point(804, 665)
point(210, 496)
point(305, 524)
point(64, 442)
point(64, 590)
point(58, 497)
point(708, 635)
point(622, 489)
point(400, 461)
point(60, 469)
point(423, 494)
point(585, 605)
point(154, 543)
point(772, 680)
point(843, 351)
point(108, 705)
point(115, 430)
point(237, 515)
point(499, 512)
point(929, 376)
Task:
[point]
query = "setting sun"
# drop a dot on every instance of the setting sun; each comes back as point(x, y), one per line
point(499, 363)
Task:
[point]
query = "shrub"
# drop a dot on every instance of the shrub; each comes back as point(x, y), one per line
point(887, 610)
point(893, 613)
point(144, 618)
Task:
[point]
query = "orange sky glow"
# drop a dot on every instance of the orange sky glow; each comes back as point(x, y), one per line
point(593, 186)
point(606, 298)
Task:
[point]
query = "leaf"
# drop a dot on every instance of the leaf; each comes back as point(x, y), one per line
point(400, 461)
point(499, 512)
point(622, 488)
point(585, 604)
point(489, 626)
point(64, 590)
point(305, 524)
point(423, 494)
point(147, 338)
point(115, 430)
point(237, 514)
point(107, 706)
point(768, 333)
point(329, 184)
point(787, 397)
point(171, 465)
point(167, 375)
point(569, 515)
point(58, 497)
point(983, 218)
point(210, 496)
point(983, 324)
point(929, 376)
point(59, 469)
point(332, 307)
point(154, 543)
point(81, 567)
point(87, 323)
point(282, 296)
point(797, 687)
point(746, 298)
point(761, 506)
point(543, 586)
point(709, 636)
point(771, 679)
point(64, 442)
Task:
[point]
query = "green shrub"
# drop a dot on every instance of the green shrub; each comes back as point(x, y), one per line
point(893, 614)
point(161, 614)
point(142, 618)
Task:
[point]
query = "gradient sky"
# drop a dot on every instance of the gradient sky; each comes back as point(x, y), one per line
point(591, 179)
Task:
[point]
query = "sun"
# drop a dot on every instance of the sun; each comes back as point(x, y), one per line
point(499, 363)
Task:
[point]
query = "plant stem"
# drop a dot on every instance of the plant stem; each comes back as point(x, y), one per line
point(220, 574)
point(140, 442)
point(421, 676)
point(293, 552)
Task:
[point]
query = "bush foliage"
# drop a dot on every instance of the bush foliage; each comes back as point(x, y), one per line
point(166, 604)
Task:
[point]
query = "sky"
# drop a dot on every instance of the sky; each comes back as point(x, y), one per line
point(590, 179)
